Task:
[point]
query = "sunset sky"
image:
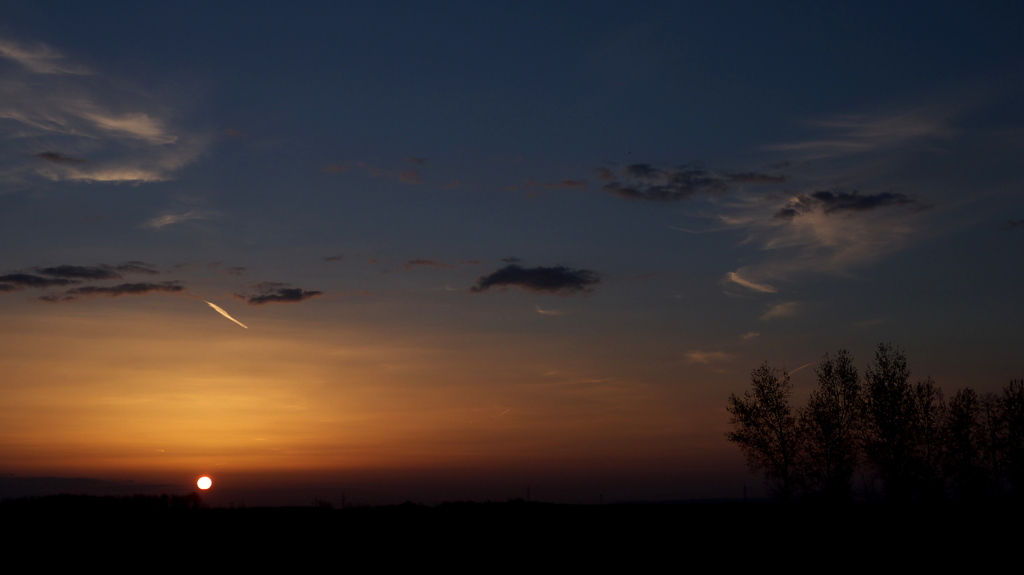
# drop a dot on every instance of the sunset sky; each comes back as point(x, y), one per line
point(463, 250)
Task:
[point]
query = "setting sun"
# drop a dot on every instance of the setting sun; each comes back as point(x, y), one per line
point(204, 483)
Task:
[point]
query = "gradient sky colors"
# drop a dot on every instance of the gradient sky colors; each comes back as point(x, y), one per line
point(484, 248)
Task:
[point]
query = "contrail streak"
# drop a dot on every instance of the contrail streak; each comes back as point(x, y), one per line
point(801, 367)
point(225, 314)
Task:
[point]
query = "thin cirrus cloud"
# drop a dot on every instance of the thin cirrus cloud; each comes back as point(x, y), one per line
point(740, 280)
point(706, 357)
point(868, 133)
point(274, 292)
point(786, 309)
point(830, 225)
point(39, 58)
point(171, 219)
point(81, 129)
point(425, 263)
point(811, 238)
point(559, 280)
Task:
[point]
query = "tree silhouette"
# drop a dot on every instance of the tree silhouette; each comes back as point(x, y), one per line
point(830, 428)
point(1011, 436)
point(889, 409)
point(927, 448)
point(917, 445)
point(967, 444)
point(765, 429)
point(904, 427)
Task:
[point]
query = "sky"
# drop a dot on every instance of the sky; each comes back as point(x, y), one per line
point(435, 251)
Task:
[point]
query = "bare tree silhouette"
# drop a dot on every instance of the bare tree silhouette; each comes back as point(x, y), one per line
point(1011, 436)
point(915, 444)
point(889, 409)
point(968, 444)
point(830, 428)
point(766, 430)
point(927, 441)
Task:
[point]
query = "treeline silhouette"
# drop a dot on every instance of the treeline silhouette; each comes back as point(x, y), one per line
point(880, 437)
point(66, 502)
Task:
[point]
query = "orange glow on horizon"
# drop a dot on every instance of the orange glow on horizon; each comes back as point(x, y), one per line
point(126, 399)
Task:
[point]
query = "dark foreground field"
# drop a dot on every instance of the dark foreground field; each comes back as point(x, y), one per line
point(728, 533)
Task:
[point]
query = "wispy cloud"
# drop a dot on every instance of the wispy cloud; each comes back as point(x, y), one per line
point(410, 176)
point(137, 125)
point(81, 129)
point(739, 280)
point(39, 58)
point(799, 235)
point(425, 263)
point(869, 133)
point(848, 200)
point(170, 219)
point(550, 311)
point(705, 357)
point(787, 309)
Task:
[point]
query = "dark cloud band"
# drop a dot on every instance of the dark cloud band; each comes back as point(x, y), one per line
point(80, 272)
point(273, 292)
point(116, 291)
point(55, 158)
point(31, 281)
point(646, 182)
point(836, 202)
point(558, 279)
